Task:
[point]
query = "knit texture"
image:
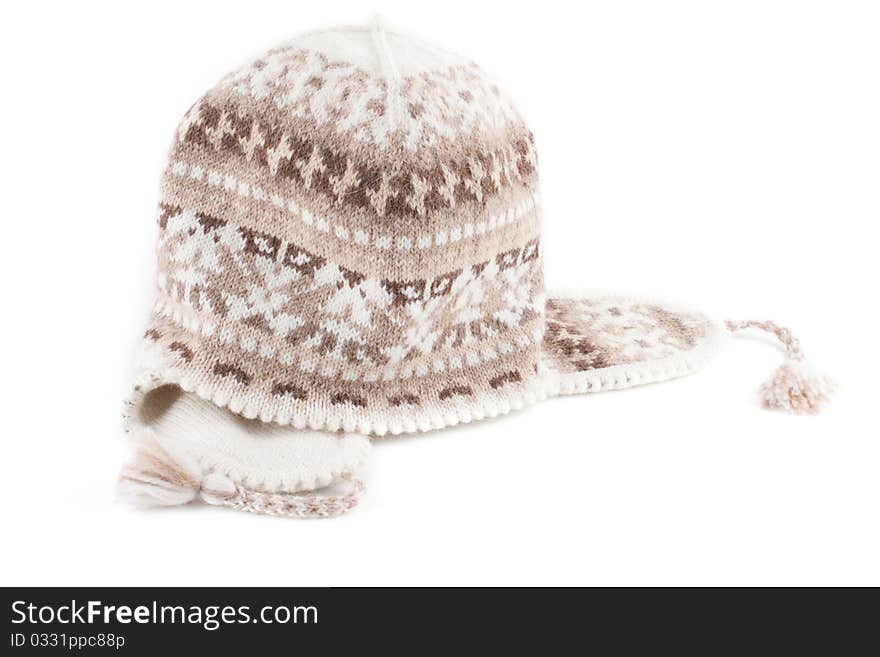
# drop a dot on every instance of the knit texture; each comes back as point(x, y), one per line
point(349, 240)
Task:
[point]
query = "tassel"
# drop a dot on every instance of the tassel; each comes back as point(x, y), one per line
point(156, 478)
point(792, 387)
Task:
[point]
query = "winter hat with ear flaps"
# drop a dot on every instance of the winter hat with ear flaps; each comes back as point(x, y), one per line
point(349, 246)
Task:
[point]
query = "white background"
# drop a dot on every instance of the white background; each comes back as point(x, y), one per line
point(724, 156)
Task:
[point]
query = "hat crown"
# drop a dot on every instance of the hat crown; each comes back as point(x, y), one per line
point(387, 90)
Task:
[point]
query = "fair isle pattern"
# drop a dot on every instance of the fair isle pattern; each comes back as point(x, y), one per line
point(357, 105)
point(255, 387)
point(343, 250)
point(587, 334)
point(441, 140)
point(401, 189)
point(279, 296)
point(590, 344)
point(378, 240)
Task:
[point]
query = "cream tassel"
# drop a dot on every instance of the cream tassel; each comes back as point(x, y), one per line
point(792, 386)
point(156, 478)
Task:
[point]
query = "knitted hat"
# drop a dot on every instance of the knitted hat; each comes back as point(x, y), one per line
point(349, 246)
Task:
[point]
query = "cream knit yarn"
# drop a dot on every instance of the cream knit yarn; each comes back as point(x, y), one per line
point(349, 244)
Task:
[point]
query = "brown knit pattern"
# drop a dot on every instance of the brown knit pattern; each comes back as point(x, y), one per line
point(335, 249)
point(343, 249)
point(595, 333)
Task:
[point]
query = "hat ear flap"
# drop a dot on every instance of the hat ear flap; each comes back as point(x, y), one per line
point(155, 478)
point(186, 448)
